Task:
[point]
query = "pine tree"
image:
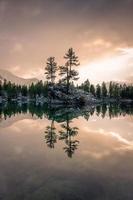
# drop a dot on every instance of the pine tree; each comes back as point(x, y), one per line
point(69, 74)
point(110, 89)
point(116, 91)
point(50, 70)
point(104, 90)
point(24, 90)
point(32, 90)
point(86, 86)
point(92, 89)
point(98, 91)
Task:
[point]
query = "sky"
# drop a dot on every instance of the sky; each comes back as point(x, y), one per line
point(100, 31)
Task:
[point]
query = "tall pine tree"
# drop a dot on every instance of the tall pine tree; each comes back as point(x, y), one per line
point(50, 70)
point(69, 74)
point(104, 90)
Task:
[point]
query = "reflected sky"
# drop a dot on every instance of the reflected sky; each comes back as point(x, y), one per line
point(101, 166)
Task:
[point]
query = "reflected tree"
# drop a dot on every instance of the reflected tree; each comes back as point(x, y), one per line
point(98, 110)
point(67, 134)
point(50, 135)
point(115, 110)
point(42, 111)
point(92, 111)
point(87, 115)
point(103, 110)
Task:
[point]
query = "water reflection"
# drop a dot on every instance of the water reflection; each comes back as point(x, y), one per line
point(51, 135)
point(59, 113)
point(67, 134)
point(37, 147)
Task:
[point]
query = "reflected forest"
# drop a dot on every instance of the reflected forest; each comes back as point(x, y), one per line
point(67, 134)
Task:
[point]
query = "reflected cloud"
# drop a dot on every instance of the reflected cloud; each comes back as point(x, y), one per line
point(101, 143)
point(119, 138)
point(98, 135)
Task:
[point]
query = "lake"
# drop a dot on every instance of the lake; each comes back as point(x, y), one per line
point(66, 153)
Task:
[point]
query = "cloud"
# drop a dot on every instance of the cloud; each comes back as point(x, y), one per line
point(98, 43)
point(18, 47)
point(3, 6)
point(33, 30)
point(114, 67)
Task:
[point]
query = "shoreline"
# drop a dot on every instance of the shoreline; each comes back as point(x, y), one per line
point(56, 102)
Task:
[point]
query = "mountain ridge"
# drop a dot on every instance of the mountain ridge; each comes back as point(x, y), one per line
point(4, 74)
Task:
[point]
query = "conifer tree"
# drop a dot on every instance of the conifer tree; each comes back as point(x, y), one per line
point(86, 86)
point(92, 89)
point(110, 89)
point(24, 90)
point(69, 74)
point(98, 91)
point(50, 135)
point(50, 70)
point(104, 90)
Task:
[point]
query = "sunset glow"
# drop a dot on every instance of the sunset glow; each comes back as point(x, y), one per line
point(99, 31)
point(66, 99)
point(113, 67)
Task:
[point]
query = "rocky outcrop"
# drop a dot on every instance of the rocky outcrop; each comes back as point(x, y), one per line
point(75, 96)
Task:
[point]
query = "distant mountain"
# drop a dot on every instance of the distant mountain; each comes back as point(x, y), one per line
point(15, 79)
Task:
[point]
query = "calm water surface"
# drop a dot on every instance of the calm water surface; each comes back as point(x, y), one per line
point(67, 154)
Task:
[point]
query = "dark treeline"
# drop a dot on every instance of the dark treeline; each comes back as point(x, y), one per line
point(111, 90)
point(59, 114)
point(64, 75)
point(12, 91)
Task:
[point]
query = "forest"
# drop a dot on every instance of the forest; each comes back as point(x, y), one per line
point(65, 76)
